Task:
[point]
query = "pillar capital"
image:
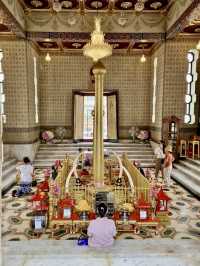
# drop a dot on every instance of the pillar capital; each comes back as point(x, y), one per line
point(98, 68)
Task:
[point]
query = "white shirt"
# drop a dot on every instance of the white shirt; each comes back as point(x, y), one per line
point(26, 172)
point(159, 153)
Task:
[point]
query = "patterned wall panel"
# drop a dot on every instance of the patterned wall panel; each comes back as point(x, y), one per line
point(19, 91)
point(175, 78)
point(171, 75)
point(65, 73)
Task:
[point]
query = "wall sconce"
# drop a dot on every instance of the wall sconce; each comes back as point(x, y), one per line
point(143, 58)
point(48, 57)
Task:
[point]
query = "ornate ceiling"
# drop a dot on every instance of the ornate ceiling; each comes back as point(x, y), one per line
point(126, 29)
point(149, 5)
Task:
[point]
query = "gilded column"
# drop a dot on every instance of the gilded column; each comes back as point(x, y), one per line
point(98, 156)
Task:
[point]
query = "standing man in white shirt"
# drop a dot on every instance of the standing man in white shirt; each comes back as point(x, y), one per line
point(159, 158)
point(26, 172)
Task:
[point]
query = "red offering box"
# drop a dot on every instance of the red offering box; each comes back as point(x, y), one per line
point(75, 216)
point(116, 216)
point(92, 216)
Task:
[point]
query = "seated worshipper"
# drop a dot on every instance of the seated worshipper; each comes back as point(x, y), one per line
point(159, 158)
point(88, 158)
point(167, 167)
point(58, 164)
point(80, 160)
point(101, 231)
point(137, 164)
point(54, 172)
point(26, 172)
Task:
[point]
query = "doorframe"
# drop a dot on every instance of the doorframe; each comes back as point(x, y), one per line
point(92, 93)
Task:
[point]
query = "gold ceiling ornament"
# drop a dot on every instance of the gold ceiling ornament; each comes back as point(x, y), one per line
point(194, 15)
point(126, 4)
point(67, 4)
point(97, 48)
point(156, 5)
point(139, 6)
point(36, 3)
point(76, 45)
point(57, 6)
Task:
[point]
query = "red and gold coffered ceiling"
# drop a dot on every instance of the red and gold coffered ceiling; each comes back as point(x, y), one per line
point(125, 29)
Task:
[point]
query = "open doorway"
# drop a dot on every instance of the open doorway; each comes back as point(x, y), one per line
point(88, 119)
point(83, 117)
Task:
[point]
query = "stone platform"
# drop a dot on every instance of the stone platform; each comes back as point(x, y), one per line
point(125, 252)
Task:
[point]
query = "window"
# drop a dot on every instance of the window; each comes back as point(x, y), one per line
point(191, 78)
point(36, 90)
point(154, 89)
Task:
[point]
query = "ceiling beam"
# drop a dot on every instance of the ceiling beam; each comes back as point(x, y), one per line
point(10, 21)
point(85, 36)
point(182, 21)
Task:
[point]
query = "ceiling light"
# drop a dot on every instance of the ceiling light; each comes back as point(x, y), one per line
point(48, 57)
point(143, 59)
point(198, 46)
point(97, 48)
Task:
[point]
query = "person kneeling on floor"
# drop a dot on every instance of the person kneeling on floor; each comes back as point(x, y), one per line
point(26, 173)
point(101, 231)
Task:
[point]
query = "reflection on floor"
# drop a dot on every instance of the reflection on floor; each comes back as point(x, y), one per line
point(184, 212)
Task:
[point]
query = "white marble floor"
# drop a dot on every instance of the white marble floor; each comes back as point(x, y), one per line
point(149, 252)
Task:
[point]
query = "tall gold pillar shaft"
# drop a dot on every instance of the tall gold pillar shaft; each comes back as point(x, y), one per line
point(98, 156)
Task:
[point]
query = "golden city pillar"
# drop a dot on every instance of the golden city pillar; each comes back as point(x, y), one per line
point(98, 144)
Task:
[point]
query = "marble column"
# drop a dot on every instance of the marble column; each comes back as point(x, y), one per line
point(98, 156)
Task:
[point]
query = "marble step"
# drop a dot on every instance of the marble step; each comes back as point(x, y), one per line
point(8, 182)
point(85, 145)
point(147, 252)
point(190, 165)
point(8, 174)
point(188, 172)
point(122, 148)
point(186, 181)
point(8, 170)
point(61, 156)
point(53, 158)
point(74, 153)
point(8, 162)
point(45, 163)
point(195, 162)
point(138, 151)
